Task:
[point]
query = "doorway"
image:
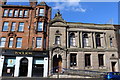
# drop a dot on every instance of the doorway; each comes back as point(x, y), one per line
point(57, 64)
point(23, 67)
point(113, 66)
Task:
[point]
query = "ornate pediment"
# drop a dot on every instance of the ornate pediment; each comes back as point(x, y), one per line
point(58, 20)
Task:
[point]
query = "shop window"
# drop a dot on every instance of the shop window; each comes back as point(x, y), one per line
point(87, 60)
point(57, 40)
point(10, 12)
point(73, 60)
point(5, 26)
point(21, 26)
point(13, 26)
point(19, 43)
point(44, 43)
point(38, 42)
point(40, 26)
point(98, 40)
point(10, 42)
point(101, 59)
point(85, 40)
point(72, 39)
point(15, 13)
point(41, 12)
point(20, 13)
point(2, 41)
point(5, 12)
point(25, 13)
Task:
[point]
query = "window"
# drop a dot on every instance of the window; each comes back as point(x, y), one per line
point(15, 13)
point(25, 13)
point(10, 12)
point(57, 40)
point(87, 60)
point(20, 13)
point(13, 26)
point(40, 26)
point(85, 40)
point(45, 27)
point(5, 26)
point(38, 42)
point(41, 12)
point(44, 43)
point(72, 39)
point(10, 42)
point(19, 43)
point(5, 12)
point(73, 60)
point(101, 59)
point(98, 40)
point(111, 42)
point(21, 26)
point(2, 41)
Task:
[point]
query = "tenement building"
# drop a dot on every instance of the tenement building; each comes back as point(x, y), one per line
point(24, 39)
point(81, 46)
point(117, 30)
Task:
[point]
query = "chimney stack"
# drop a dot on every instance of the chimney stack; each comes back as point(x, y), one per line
point(3, 2)
point(33, 2)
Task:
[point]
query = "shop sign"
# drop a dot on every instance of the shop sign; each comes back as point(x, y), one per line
point(24, 53)
point(39, 61)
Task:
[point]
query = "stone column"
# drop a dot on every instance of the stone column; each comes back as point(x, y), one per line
point(30, 60)
point(67, 39)
point(17, 65)
point(94, 40)
point(81, 40)
point(45, 67)
point(78, 39)
point(68, 61)
point(1, 64)
point(50, 63)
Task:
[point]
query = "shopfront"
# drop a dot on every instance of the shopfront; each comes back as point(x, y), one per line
point(24, 63)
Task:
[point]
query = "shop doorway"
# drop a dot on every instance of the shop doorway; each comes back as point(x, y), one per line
point(23, 67)
point(113, 66)
point(57, 64)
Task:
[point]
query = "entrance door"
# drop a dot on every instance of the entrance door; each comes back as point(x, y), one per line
point(113, 66)
point(23, 67)
point(57, 64)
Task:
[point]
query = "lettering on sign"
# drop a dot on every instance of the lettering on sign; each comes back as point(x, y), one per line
point(24, 53)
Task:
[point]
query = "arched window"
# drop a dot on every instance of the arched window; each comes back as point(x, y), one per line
point(72, 39)
point(85, 40)
point(98, 40)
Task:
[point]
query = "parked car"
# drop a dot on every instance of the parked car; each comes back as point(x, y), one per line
point(112, 76)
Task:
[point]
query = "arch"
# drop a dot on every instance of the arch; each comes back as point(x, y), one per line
point(57, 63)
point(23, 67)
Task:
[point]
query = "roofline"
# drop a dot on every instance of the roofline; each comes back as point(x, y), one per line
point(88, 23)
point(16, 6)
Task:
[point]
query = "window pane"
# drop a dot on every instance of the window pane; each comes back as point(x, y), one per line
point(10, 42)
point(25, 13)
point(5, 12)
point(40, 26)
point(101, 59)
point(21, 26)
point(15, 13)
point(57, 40)
point(10, 12)
point(2, 42)
point(38, 42)
point(87, 60)
point(13, 26)
point(41, 12)
point(73, 60)
point(20, 13)
point(19, 43)
point(5, 26)
point(111, 42)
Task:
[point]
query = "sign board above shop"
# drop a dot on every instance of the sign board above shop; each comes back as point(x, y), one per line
point(24, 53)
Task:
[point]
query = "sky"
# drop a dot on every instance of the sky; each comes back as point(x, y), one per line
point(85, 12)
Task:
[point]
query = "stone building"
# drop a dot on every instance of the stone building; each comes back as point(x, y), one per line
point(24, 39)
point(81, 46)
